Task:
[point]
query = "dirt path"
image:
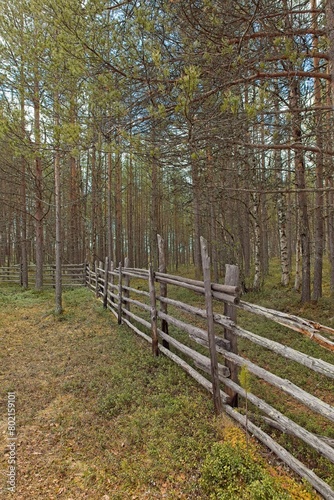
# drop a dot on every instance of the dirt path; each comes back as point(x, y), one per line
point(80, 433)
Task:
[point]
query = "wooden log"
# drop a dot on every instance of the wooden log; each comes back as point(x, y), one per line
point(301, 325)
point(120, 293)
point(163, 286)
point(230, 299)
point(135, 329)
point(113, 296)
point(194, 288)
point(287, 430)
point(140, 320)
point(286, 424)
point(154, 322)
point(202, 361)
point(315, 364)
point(135, 275)
point(231, 279)
point(138, 292)
point(224, 297)
point(294, 464)
point(285, 385)
point(198, 334)
point(196, 311)
point(227, 289)
point(105, 289)
point(210, 325)
point(137, 303)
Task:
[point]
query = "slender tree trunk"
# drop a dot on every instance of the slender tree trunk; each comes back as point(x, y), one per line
point(196, 205)
point(130, 211)
point(155, 198)
point(38, 188)
point(23, 218)
point(109, 209)
point(118, 209)
point(283, 241)
point(58, 291)
point(302, 195)
point(319, 204)
point(257, 282)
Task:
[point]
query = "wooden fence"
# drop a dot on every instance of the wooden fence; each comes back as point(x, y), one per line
point(138, 298)
point(72, 274)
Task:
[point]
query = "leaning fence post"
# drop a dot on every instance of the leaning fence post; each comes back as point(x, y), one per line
point(105, 288)
point(119, 309)
point(232, 278)
point(210, 324)
point(154, 320)
point(163, 287)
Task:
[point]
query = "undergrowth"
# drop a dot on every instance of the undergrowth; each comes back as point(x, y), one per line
point(99, 416)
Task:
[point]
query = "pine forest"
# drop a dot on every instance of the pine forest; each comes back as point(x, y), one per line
point(122, 120)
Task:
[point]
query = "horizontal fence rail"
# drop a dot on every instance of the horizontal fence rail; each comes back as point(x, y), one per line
point(202, 339)
point(72, 274)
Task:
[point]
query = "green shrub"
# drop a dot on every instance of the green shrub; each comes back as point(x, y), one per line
point(230, 472)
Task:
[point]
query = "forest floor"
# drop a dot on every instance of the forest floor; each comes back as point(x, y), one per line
point(98, 417)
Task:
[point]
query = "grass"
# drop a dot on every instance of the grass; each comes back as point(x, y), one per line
point(274, 295)
point(99, 417)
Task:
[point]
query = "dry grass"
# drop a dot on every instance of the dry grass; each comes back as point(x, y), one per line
point(97, 416)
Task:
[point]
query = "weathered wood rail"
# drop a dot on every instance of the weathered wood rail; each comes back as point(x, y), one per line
point(72, 274)
point(138, 298)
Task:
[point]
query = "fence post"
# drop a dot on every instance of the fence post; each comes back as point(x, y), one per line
point(97, 279)
point(112, 280)
point(105, 288)
point(89, 276)
point(119, 309)
point(163, 287)
point(232, 278)
point(127, 283)
point(154, 321)
point(210, 324)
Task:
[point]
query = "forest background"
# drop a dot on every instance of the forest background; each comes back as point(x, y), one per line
point(123, 120)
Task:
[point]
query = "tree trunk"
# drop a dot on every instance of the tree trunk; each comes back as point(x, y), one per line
point(58, 292)
point(319, 204)
point(38, 188)
point(302, 195)
point(257, 282)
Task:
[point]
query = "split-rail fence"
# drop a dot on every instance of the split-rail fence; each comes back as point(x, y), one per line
point(72, 274)
point(138, 298)
point(204, 341)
